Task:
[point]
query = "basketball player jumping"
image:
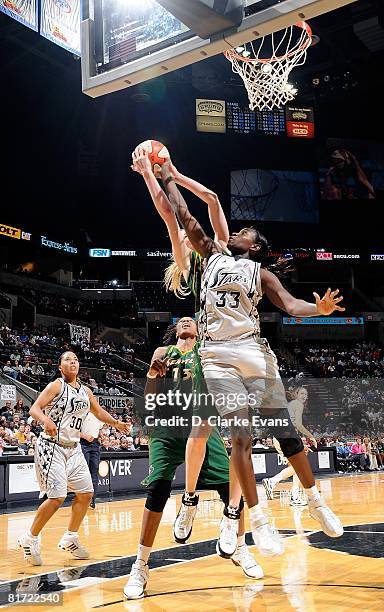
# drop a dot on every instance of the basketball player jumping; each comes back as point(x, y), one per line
point(237, 362)
point(176, 363)
point(59, 461)
point(295, 408)
point(183, 277)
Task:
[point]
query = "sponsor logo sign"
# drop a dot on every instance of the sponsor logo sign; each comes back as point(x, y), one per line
point(100, 252)
point(66, 247)
point(324, 256)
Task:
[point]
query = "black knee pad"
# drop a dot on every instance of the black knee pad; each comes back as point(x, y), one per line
point(223, 491)
point(158, 494)
point(290, 446)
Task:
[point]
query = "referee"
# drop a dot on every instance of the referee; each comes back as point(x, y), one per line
point(91, 449)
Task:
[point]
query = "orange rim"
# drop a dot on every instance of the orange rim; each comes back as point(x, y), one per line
point(232, 54)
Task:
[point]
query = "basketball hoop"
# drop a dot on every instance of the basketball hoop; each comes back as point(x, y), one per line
point(266, 78)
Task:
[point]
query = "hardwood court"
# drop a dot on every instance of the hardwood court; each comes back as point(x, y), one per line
point(315, 573)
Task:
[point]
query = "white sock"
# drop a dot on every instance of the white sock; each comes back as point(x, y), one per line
point(313, 494)
point(189, 494)
point(283, 475)
point(241, 540)
point(30, 535)
point(256, 512)
point(143, 553)
point(296, 486)
point(71, 533)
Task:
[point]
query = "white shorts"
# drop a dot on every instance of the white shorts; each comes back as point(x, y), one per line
point(61, 470)
point(246, 370)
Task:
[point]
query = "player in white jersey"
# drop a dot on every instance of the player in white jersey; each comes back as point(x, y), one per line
point(239, 367)
point(59, 461)
point(299, 398)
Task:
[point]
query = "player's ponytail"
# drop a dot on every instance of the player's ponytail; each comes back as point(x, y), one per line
point(174, 281)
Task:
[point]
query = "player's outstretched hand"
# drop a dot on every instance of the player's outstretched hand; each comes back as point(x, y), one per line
point(123, 427)
point(329, 303)
point(140, 161)
point(158, 367)
point(50, 428)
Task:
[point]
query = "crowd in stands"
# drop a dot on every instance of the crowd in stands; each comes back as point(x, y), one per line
point(119, 313)
point(337, 360)
point(31, 357)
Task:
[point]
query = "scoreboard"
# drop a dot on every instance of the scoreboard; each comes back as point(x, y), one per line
point(241, 120)
point(219, 116)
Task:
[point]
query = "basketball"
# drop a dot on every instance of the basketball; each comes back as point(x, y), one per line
point(157, 153)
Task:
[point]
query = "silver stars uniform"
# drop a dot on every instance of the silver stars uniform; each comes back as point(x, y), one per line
point(236, 361)
point(230, 293)
point(60, 463)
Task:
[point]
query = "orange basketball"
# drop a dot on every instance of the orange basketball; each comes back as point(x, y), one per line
point(157, 153)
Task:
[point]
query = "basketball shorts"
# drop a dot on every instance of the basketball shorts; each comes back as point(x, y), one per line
point(243, 374)
point(166, 454)
point(61, 470)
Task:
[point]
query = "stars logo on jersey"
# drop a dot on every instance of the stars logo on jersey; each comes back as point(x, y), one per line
point(229, 278)
point(76, 405)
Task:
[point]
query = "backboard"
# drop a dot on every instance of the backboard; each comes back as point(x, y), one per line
point(126, 42)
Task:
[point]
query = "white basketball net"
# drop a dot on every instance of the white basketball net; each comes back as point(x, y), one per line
point(266, 79)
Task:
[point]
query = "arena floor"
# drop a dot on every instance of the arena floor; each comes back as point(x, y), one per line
point(315, 573)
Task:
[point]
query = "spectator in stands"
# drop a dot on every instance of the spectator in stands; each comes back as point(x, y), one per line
point(6, 409)
point(19, 407)
point(4, 437)
point(9, 370)
point(358, 451)
point(37, 369)
point(15, 356)
point(27, 369)
point(20, 435)
point(105, 444)
point(258, 443)
point(126, 443)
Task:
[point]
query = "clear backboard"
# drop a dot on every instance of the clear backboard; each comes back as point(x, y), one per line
point(126, 42)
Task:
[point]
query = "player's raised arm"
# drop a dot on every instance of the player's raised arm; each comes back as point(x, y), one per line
point(201, 243)
point(104, 416)
point(142, 165)
point(216, 214)
point(284, 300)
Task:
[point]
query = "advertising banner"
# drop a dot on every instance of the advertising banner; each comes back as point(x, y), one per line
point(126, 474)
point(24, 11)
point(210, 116)
point(60, 23)
point(22, 482)
point(323, 321)
point(114, 402)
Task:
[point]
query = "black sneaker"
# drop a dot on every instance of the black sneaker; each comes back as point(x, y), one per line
point(93, 503)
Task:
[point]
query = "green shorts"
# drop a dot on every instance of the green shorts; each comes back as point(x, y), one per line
point(166, 454)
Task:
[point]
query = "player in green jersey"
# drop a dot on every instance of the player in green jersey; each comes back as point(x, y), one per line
point(174, 367)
